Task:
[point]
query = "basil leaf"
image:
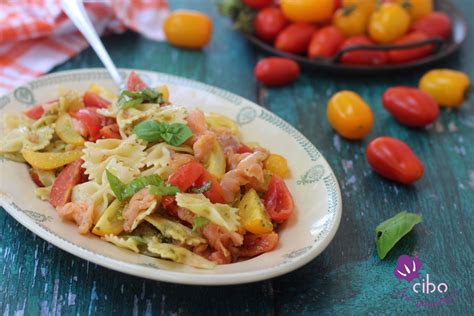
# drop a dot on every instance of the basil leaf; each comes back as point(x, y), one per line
point(132, 103)
point(176, 134)
point(139, 183)
point(130, 99)
point(389, 232)
point(117, 186)
point(163, 190)
point(203, 188)
point(148, 130)
point(199, 222)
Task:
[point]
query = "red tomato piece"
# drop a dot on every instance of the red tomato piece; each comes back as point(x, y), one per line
point(257, 4)
point(93, 100)
point(254, 245)
point(295, 38)
point(362, 57)
point(135, 83)
point(34, 176)
point(325, 42)
point(276, 71)
point(34, 112)
point(434, 24)
point(268, 23)
point(91, 120)
point(110, 131)
point(410, 106)
point(408, 54)
point(215, 193)
point(394, 160)
point(186, 175)
point(66, 180)
point(242, 149)
point(278, 200)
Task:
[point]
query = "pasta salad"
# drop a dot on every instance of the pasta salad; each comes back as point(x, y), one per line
point(152, 177)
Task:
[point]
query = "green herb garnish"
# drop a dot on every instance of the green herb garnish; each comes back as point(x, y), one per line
point(174, 134)
point(139, 183)
point(164, 190)
point(199, 222)
point(203, 188)
point(129, 99)
point(116, 185)
point(389, 232)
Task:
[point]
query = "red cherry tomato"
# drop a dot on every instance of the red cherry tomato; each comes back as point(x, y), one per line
point(362, 57)
point(93, 100)
point(110, 131)
point(242, 149)
point(35, 112)
point(325, 42)
point(256, 244)
point(257, 4)
point(434, 24)
point(278, 200)
point(91, 120)
point(404, 55)
point(394, 160)
point(268, 23)
point(276, 71)
point(410, 106)
point(215, 193)
point(34, 176)
point(135, 83)
point(295, 38)
point(66, 180)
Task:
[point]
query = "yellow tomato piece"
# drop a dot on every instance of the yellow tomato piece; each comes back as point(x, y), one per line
point(164, 92)
point(253, 216)
point(215, 121)
point(188, 29)
point(388, 23)
point(216, 162)
point(351, 21)
point(366, 6)
point(307, 10)
point(349, 115)
point(417, 8)
point(50, 161)
point(111, 221)
point(448, 87)
point(102, 92)
point(65, 130)
point(278, 165)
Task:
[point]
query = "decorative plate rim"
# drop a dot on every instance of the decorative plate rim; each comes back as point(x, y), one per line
point(295, 259)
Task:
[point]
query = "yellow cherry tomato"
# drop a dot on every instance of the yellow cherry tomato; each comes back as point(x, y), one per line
point(307, 10)
point(448, 87)
point(366, 6)
point(351, 21)
point(278, 165)
point(388, 23)
point(417, 8)
point(349, 115)
point(188, 29)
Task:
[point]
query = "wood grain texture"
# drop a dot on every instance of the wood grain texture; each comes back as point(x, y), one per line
point(347, 278)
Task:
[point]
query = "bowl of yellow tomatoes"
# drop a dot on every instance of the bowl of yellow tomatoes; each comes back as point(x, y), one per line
point(351, 35)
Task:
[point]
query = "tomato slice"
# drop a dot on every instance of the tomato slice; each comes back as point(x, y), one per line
point(242, 149)
point(66, 180)
point(93, 100)
point(215, 193)
point(278, 200)
point(34, 176)
point(186, 175)
point(35, 112)
point(134, 83)
point(110, 131)
point(91, 120)
point(256, 244)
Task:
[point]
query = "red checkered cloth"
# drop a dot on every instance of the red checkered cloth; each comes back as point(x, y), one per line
point(35, 35)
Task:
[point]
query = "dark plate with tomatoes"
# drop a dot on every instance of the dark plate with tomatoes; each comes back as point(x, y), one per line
point(343, 60)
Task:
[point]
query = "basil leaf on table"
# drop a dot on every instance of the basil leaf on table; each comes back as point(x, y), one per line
point(199, 222)
point(174, 134)
point(389, 232)
point(163, 190)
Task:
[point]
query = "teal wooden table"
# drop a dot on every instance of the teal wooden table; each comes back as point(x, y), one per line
point(347, 278)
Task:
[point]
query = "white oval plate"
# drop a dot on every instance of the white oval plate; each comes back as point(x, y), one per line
point(312, 183)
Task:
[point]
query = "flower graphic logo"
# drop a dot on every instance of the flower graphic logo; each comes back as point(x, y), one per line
point(407, 268)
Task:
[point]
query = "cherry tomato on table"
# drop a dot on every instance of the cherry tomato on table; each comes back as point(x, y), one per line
point(388, 23)
point(417, 8)
point(308, 10)
point(276, 71)
point(410, 106)
point(351, 21)
point(295, 38)
point(409, 54)
point(278, 200)
point(434, 24)
point(394, 160)
point(254, 245)
point(257, 4)
point(325, 42)
point(362, 57)
point(65, 181)
point(349, 115)
point(188, 29)
point(268, 23)
point(448, 87)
